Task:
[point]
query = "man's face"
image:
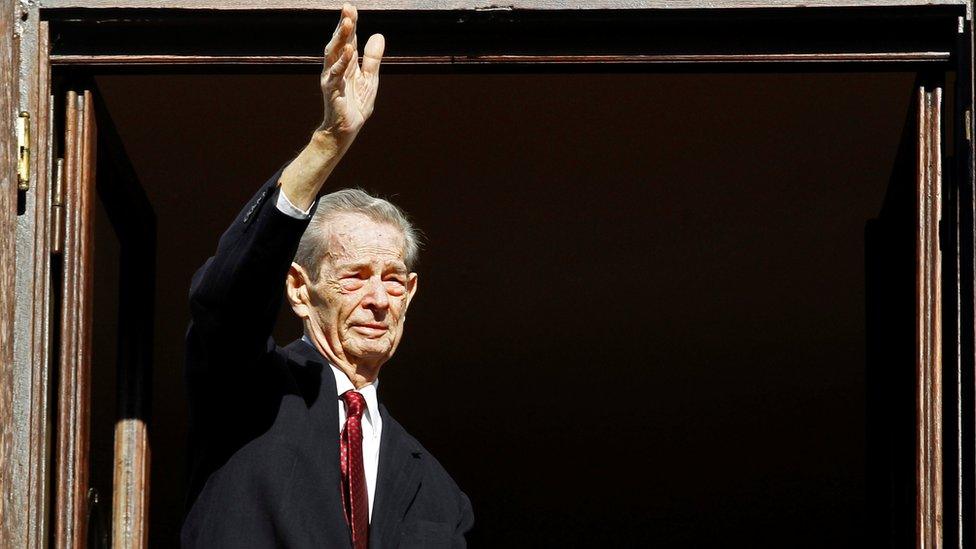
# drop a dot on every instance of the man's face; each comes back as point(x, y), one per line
point(363, 290)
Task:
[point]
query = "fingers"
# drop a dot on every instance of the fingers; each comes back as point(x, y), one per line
point(353, 65)
point(344, 33)
point(354, 17)
point(335, 79)
point(369, 80)
point(373, 54)
point(339, 39)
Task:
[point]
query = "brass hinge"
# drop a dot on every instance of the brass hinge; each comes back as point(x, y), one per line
point(969, 125)
point(57, 208)
point(23, 151)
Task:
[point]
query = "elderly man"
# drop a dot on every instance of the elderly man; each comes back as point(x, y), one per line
point(289, 446)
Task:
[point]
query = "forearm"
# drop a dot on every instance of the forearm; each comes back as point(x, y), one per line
point(303, 178)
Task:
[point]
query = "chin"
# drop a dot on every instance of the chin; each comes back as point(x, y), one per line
point(371, 352)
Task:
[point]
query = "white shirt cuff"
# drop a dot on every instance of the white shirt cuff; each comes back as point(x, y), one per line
point(286, 207)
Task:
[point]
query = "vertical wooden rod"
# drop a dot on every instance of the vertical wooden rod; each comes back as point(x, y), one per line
point(928, 458)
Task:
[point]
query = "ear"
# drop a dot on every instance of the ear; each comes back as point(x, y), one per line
point(411, 290)
point(297, 287)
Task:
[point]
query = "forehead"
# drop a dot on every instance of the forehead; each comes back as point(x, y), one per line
point(351, 237)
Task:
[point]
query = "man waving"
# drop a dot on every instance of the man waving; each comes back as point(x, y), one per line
point(290, 446)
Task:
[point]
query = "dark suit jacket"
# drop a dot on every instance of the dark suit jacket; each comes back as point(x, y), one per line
point(264, 425)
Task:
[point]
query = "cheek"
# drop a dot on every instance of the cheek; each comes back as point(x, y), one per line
point(346, 306)
point(331, 287)
point(398, 304)
point(331, 302)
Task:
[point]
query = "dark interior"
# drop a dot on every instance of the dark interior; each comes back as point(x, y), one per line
point(650, 305)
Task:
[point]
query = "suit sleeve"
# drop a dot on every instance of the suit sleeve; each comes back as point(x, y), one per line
point(235, 297)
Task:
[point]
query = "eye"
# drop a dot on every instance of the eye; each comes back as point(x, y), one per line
point(352, 281)
point(395, 284)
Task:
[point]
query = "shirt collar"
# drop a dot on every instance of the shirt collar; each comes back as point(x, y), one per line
point(343, 384)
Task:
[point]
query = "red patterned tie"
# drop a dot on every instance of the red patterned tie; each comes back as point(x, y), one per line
point(355, 499)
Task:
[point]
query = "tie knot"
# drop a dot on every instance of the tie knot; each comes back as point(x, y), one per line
point(355, 404)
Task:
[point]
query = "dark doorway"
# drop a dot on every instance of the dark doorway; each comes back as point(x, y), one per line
point(641, 317)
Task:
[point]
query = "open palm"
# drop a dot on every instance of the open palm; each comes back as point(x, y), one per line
point(348, 90)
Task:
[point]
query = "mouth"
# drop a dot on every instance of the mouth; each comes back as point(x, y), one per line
point(370, 329)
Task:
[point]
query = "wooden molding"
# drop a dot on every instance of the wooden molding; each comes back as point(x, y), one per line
point(41, 356)
point(26, 417)
point(864, 57)
point(11, 518)
point(928, 457)
point(486, 5)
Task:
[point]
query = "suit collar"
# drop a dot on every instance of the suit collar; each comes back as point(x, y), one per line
point(304, 353)
point(343, 384)
point(319, 389)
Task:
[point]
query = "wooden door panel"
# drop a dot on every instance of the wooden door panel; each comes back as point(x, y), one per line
point(87, 144)
point(74, 390)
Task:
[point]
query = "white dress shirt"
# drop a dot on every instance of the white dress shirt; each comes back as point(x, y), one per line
point(286, 207)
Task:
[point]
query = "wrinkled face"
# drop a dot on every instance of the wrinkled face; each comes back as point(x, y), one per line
point(363, 289)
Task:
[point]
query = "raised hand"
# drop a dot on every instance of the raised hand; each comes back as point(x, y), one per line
point(349, 91)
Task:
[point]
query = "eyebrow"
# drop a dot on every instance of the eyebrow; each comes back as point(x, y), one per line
point(398, 265)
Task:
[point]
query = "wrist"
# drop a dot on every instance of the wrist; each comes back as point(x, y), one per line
point(325, 146)
point(304, 176)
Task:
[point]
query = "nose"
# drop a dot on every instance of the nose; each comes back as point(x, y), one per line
point(376, 296)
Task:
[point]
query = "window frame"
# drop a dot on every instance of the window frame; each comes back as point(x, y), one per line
point(39, 36)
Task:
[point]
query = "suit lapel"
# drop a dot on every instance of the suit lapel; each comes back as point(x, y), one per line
point(397, 482)
point(319, 390)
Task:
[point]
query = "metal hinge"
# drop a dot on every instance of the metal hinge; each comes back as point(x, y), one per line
point(969, 124)
point(23, 151)
point(57, 208)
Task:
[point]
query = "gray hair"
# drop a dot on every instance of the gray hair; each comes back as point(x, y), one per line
point(356, 201)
